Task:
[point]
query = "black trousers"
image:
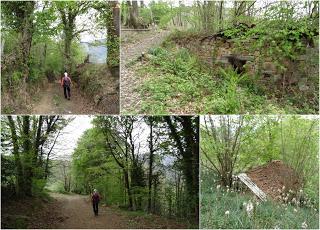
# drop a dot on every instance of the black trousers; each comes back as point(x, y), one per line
point(95, 207)
point(66, 91)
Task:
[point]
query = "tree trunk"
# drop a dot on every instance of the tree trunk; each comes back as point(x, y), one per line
point(67, 49)
point(221, 15)
point(133, 14)
point(190, 156)
point(26, 40)
point(25, 45)
point(127, 184)
point(19, 176)
point(150, 164)
point(28, 155)
point(191, 160)
point(116, 18)
point(113, 27)
point(44, 56)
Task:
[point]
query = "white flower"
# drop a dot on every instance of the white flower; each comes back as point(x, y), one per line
point(227, 212)
point(304, 225)
point(301, 190)
point(249, 208)
point(218, 186)
point(295, 210)
point(227, 190)
point(283, 187)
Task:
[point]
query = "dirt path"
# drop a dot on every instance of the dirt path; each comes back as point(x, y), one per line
point(129, 97)
point(51, 101)
point(76, 212)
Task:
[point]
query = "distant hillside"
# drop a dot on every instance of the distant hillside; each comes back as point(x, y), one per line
point(96, 50)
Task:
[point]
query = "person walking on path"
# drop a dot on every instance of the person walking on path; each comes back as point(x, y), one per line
point(95, 201)
point(66, 84)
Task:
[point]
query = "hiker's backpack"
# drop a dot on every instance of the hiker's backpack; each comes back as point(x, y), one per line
point(66, 81)
point(95, 197)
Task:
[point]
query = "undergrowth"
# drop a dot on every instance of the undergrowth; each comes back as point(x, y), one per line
point(223, 208)
point(177, 82)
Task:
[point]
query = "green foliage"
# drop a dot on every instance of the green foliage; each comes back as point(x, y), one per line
point(38, 186)
point(266, 215)
point(162, 13)
point(11, 41)
point(92, 168)
point(113, 58)
point(33, 45)
point(78, 54)
point(16, 77)
point(7, 172)
point(292, 139)
point(21, 154)
point(179, 82)
point(56, 186)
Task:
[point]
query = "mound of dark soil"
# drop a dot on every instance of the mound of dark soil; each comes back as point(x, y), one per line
point(275, 178)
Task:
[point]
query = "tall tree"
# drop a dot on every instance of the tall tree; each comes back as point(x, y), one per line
point(133, 9)
point(184, 131)
point(28, 136)
point(69, 11)
point(117, 131)
point(20, 16)
point(109, 17)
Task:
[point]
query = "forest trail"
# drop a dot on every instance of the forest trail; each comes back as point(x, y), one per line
point(51, 101)
point(76, 212)
point(129, 97)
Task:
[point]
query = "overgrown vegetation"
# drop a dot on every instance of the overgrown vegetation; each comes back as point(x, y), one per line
point(42, 39)
point(234, 144)
point(177, 81)
point(246, 56)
